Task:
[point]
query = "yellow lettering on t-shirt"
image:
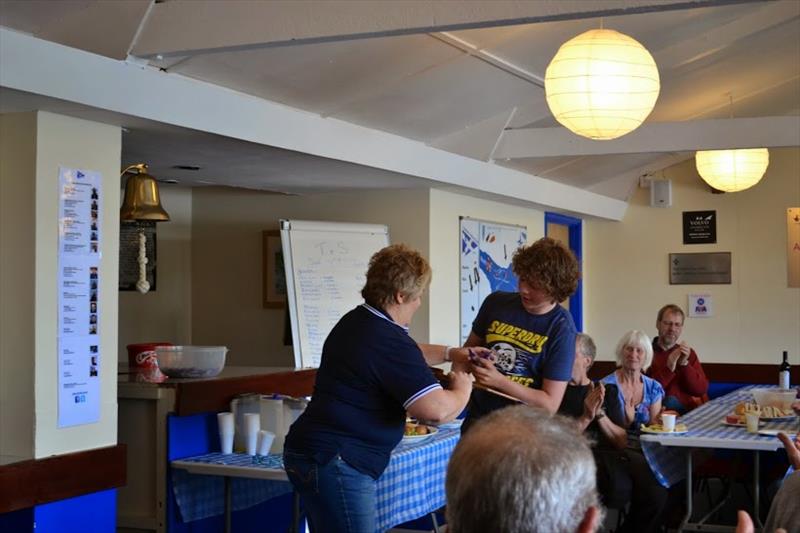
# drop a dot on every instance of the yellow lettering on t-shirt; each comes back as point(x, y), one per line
point(527, 340)
point(522, 380)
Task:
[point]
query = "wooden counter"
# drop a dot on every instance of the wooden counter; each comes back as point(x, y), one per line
point(143, 410)
point(192, 396)
point(33, 482)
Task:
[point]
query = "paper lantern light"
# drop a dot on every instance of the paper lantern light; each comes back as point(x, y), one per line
point(601, 84)
point(732, 170)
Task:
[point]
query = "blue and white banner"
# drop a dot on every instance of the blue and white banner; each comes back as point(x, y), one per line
point(486, 252)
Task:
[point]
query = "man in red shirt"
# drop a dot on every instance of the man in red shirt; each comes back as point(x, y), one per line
point(675, 364)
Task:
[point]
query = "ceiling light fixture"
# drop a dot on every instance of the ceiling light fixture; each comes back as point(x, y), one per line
point(732, 170)
point(601, 84)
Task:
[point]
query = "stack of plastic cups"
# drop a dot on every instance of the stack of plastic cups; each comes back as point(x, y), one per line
point(252, 425)
point(225, 423)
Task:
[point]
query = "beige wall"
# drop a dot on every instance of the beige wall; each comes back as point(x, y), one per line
point(17, 253)
point(165, 314)
point(74, 143)
point(755, 317)
point(624, 262)
point(34, 146)
point(226, 260)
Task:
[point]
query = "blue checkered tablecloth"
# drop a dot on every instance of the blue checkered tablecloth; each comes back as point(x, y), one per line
point(666, 454)
point(413, 483)
point(411, 486)
point(201, 496)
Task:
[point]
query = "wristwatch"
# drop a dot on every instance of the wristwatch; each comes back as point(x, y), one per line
point(601, 413)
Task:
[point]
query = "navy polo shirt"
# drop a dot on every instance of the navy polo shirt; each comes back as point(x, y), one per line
point(370, 372)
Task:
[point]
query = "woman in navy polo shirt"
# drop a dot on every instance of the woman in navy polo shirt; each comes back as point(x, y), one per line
point(371, 373)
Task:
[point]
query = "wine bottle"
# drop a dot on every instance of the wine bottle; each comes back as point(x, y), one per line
point(784, 372)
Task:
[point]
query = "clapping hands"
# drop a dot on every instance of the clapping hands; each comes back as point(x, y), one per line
point(593, 402)
point(679, 355)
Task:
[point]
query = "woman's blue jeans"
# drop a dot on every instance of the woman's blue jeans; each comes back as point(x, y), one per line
point(337, 497)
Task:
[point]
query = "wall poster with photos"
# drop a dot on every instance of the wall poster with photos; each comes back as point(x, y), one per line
point(79, 251)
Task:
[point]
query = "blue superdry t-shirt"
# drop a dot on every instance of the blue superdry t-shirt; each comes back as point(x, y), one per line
point(529, 348)
point(370, 372)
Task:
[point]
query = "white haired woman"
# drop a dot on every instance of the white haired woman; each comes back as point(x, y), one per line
point(641, 399)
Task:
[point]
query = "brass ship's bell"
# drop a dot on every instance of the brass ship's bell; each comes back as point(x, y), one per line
point(142, 201)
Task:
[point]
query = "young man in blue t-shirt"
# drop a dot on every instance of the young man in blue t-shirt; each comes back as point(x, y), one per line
point(531, 334)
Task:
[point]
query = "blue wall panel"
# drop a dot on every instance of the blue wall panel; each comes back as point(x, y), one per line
point(90, 513)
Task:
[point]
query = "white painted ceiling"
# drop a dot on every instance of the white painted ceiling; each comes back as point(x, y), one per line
point(458, 90)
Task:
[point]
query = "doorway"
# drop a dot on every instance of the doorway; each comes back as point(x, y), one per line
point(568, 230)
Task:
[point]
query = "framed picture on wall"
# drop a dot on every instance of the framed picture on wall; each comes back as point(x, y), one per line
point(274, 274)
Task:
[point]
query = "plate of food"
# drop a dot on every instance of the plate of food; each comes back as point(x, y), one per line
point(418, 432)
point(765, 412)
point(777, 418)
point(658, 430)
point(737, 421)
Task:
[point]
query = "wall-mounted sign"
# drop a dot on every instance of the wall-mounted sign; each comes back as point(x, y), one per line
point(793, 246)
point(79, 251)
point(486, 252)
point(700, 269)
point(700, 306)
point(699, 227)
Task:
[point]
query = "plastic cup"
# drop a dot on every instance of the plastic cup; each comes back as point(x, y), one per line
point(252, 424)
point(265, 439)
point(668, 422)
point(225, 423)
point(751, 419)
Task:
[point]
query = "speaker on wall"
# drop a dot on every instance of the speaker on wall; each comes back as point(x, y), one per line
point(660, 193)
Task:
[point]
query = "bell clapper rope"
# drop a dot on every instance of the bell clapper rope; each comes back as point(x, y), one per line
point(142, 285)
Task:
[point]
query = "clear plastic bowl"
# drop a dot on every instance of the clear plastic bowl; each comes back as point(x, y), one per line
point(782, 398)
point(191, 361)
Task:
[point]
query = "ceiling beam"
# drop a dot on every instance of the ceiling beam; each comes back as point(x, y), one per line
point(31, 65)
point(686, 51)
point(105, 28)
point(190, 27)
point(476, 140)
point(655, 137)
point(624, 185)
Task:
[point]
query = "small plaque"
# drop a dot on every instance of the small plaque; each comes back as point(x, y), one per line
point(700, 269)
point(700, 306)
point(699, 227)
